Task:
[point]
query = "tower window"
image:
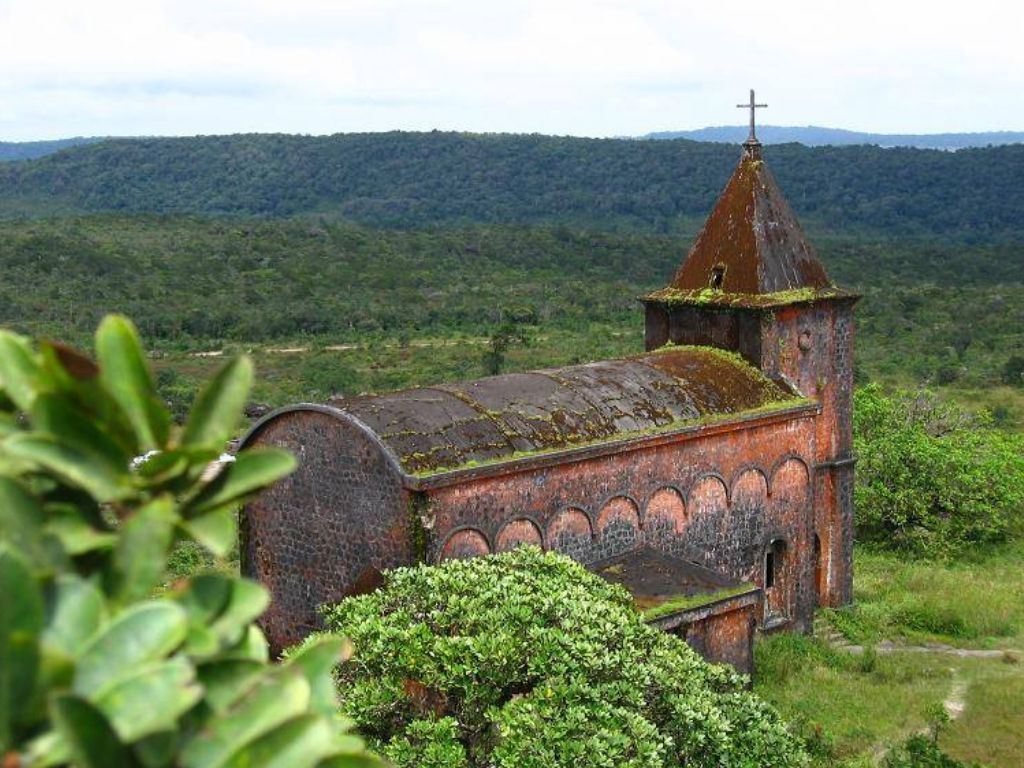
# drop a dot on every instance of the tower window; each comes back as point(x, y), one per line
point(717, 277)
point(769, 570)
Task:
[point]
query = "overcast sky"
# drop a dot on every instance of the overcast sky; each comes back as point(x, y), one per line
point(591, 68)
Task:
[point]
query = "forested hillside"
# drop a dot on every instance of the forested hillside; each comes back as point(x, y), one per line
point(815, 136)
point(444, 179)
point(933, 313)
point(29, 150)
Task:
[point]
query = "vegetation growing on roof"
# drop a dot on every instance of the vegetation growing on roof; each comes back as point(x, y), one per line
point(664, 429)
point(713, 298)
point(682, 603)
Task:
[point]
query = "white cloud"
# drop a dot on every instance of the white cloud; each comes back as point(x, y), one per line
point(601, 67)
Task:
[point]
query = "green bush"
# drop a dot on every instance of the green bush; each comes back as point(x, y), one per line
point(526, 659)
point(931, 479)
point(97, 488)
point(920, 752)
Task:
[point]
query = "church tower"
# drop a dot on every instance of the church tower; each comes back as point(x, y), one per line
point(753, 284)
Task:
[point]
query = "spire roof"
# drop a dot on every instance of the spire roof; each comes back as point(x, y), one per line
point(751, 250)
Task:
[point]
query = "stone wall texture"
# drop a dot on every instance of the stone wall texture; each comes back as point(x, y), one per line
point(327, 530)
point(719, 500)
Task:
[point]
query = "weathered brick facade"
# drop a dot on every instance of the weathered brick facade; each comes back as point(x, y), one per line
point(741, 464)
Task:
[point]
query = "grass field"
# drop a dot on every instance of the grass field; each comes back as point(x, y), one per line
point(974, 602)
point(991, 730)
point(852, 709)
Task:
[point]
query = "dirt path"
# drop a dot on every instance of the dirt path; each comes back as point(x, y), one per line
point(887, 646)
point(956, 701)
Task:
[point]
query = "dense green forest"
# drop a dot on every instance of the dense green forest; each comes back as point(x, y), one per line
point(933, 314)
point(444, 179)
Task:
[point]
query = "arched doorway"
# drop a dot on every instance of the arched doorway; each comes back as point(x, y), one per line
point(776, 582)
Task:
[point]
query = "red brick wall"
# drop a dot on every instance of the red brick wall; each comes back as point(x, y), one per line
point(812, 346)
point(718, 500)
point(725, 637)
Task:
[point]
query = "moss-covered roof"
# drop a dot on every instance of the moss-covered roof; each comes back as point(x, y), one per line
point(501, 418)
point(751, 252)
point(662, 585)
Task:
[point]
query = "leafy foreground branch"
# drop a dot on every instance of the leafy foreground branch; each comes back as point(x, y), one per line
point(96, 487)
point(526, 659)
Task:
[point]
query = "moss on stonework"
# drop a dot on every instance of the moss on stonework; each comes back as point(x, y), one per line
point(689, 602)
point(706, 420)
point(717, 298)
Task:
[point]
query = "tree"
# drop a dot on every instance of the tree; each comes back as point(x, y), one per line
point(100, 664)
point(1013, 371)
point(493, 357)
point(931, 478)
point(526, 659)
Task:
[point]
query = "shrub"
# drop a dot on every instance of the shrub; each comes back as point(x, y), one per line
point(526, 659)
point(919, 751)
point(97, 487)
point(931, 478)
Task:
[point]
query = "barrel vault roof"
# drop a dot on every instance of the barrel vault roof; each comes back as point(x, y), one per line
point(437, 429)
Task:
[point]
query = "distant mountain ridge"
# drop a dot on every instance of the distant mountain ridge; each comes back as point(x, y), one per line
point(440, 179)
point(29, 150)
point(817, 136)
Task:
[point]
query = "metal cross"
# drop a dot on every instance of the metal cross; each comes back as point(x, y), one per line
point(752, 138)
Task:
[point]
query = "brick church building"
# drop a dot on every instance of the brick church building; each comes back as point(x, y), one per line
point(712, 475)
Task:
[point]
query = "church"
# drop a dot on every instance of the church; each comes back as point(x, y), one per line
point(712, 475)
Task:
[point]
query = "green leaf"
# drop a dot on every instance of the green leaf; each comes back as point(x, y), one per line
point(8, 425)
point(205, 597)
point(225, 681)
point(247, 602)
point(21, 376)
point(354, 760)
point(55, 415)
point(300, 743)
point(251, 471)
point(71, 465)
point(78, 613)
point(75, 534)
point(21, 519)
point(216, 530)
point(164, 466)
point(151, 700)
point(126, 375)
point(279, 697)
point(159, 750)
point(141, 634)
point(21, 621)
point(218, 407)
point(253, 646)
point(90, 737)
point(316, 661)
point(223, 604)
point(140, 557)
point(201, 643)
